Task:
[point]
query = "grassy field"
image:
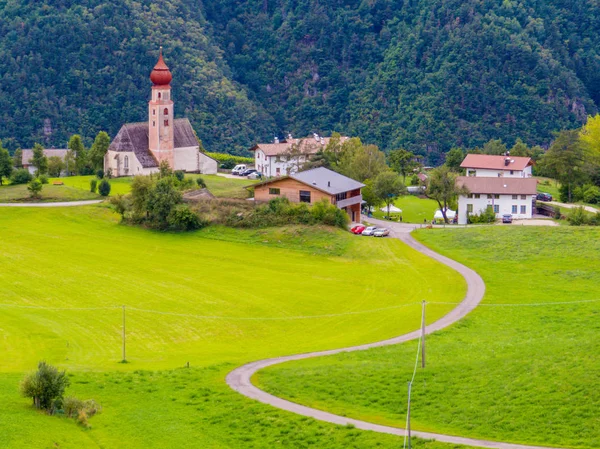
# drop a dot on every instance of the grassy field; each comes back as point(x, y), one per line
point(524, 374)
point(215, 298)
point(77, 188)
point(414, 209)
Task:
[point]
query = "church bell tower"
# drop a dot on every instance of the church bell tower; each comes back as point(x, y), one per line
point(160, 114)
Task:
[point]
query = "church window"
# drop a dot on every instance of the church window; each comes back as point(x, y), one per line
point(166, 111)
point(126, 163)
point(159, 95)
point(153, 111)
point(166, 123)
point(153, 123)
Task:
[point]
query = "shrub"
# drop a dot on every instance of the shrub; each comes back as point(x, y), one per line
point(228, 165)
point(80, 410)
point(487, 216)
point(108, 174)
point(35, 188)
point(229, 160)
point(181, 218)
point(21, 176)
point(592, 195)
point(43, 179)
point(180, 175)
point(557, 212)
point(578, 217)
point(414, 180)
point(104, 188)
point(72, 406)
point(93, 185)
point(201, 182)
point(162, 198)
point(99, 174)
point(164, 170)
point(46, 387)
point(595, 219)
point(121, 204)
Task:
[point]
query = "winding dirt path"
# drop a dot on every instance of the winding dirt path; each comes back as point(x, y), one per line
point(239, 379)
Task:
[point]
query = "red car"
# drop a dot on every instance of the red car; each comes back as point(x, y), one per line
point(358, 229)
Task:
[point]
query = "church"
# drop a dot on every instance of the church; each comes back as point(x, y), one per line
point(139, 148)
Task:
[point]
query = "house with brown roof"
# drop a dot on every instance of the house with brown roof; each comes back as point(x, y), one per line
point(498, 166)
point(312, 186)
point(139, 148)
point(287, 156)
point(27, 157)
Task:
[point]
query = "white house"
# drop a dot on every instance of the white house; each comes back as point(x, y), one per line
point(513, 196)
point(286, 157)
point(497, 166)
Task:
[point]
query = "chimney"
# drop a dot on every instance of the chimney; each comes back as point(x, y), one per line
point(506, 161)
point(289, 136)
point(322, 140)
point(276, 140)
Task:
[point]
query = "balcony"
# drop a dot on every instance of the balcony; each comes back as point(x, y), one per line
point(349, 201)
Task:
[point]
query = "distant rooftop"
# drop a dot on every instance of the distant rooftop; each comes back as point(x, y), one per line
point(490, 162)
point(27, 155)
point(308, 145)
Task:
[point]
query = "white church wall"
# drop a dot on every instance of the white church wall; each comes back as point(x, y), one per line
point(186, 159)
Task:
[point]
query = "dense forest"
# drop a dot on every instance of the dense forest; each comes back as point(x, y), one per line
point(426, 75)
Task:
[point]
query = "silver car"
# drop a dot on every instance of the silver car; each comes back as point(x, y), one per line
point(369, 230)
point(381, 232)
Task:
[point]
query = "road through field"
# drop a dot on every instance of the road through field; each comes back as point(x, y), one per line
point(240, 378)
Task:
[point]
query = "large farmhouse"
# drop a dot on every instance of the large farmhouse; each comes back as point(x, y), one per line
point(501, 183)
point(312, 186)
point(139, 148)
point(286, 157)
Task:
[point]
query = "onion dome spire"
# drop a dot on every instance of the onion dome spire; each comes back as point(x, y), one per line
point(161, 75)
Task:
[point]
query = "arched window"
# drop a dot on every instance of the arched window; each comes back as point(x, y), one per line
point(159, 95)
point(166, 111)
point(166, 123)
point(126, 163)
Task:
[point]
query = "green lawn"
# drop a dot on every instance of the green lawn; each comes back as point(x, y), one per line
point(548, 185)
point(50, 193)
point(215, 298)
point(524, 374)
point(414, 209)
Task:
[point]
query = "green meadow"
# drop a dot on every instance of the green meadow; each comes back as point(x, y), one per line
point(215, 298)
point(510, 371)
point(414, 209)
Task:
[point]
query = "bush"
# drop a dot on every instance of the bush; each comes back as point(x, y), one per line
point(557, 212)
point(578, 217)
point(414, 180)
point(21, 176)
point(229, 160)
point(72, 406)
point(104, 188)
point(108, 174)
point(121, 204)
point(93, 185)
point(43, 179)
point(35, 188)
point(592, 195)
point(162, 198)
point(487, 216)
point(595, 219)
point(46, 387)
point(180, 175)
point(201, 182)
point(228, 165)
point(100, 174)
point(181, 218)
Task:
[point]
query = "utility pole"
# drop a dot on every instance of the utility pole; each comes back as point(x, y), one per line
point(423, 336)
point(408, 415)
point(124, 358)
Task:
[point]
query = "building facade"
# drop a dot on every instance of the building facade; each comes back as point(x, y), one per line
point(312, 186)
point(139, 148)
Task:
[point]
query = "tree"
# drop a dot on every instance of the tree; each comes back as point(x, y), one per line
point(368, 194)
point(442, 187)
point(454, 158)
point(79, 154)
point(98, 150)
point(46, 387)
point(566, 161)
point(141, 186)
point(104, 188)
point(162, 198)
point(39, 160)
point(18, 158)
point(6, 166)
point(388, 186)
point(164, 170)
point(35, 188)
point(70, 163)
point(298, 155)
point(495, 147)
point(402, 161)
point(55, 166)
point(360, 162)
point(520, 149)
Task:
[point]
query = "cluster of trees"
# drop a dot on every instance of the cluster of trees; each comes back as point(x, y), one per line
point(425, 76)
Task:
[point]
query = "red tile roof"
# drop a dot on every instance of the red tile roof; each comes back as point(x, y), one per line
point(486, 161)
point(501, 186)
point(307, 146)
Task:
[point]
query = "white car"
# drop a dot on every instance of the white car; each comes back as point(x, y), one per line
point(381, 232)
point(255, 175)
point(369, 230)
point(238, 169)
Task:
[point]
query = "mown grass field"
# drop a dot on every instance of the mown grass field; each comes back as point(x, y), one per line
point(77, 188)
point(523, 374)
point(215, 298)
point(414, 209)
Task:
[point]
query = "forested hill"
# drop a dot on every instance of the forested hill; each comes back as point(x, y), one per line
point(422, 74)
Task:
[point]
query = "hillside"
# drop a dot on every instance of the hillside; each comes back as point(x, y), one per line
point(426, 74)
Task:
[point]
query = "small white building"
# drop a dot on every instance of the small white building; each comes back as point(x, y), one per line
point(286, 157)
point(504, 195)
point(485, 165)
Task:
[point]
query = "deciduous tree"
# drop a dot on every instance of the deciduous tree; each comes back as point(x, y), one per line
point(454, 158)
point(402, 161)
point(39, 160)
point(388, 186)
point(6, 166)
point(98, 150)
point(79, 154)
point(442, 187)
point(566, 161)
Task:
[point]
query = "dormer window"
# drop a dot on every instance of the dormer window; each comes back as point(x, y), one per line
point(166, 111)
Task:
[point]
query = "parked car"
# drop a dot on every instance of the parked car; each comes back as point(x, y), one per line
point(255, 175)
point(507, 218)
point(369, 230)
point(247, 172)
point(238, 169)
point(358, 229)
point(381, 232)
point(543, 197)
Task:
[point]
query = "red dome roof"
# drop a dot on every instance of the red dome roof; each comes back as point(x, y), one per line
point(161, 75)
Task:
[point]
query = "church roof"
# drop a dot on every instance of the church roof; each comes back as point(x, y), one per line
point(161, 75)
point(133, 137)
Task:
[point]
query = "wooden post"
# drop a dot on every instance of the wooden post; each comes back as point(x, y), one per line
point(408, 415)
point(124, 358)
point(423, 336)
